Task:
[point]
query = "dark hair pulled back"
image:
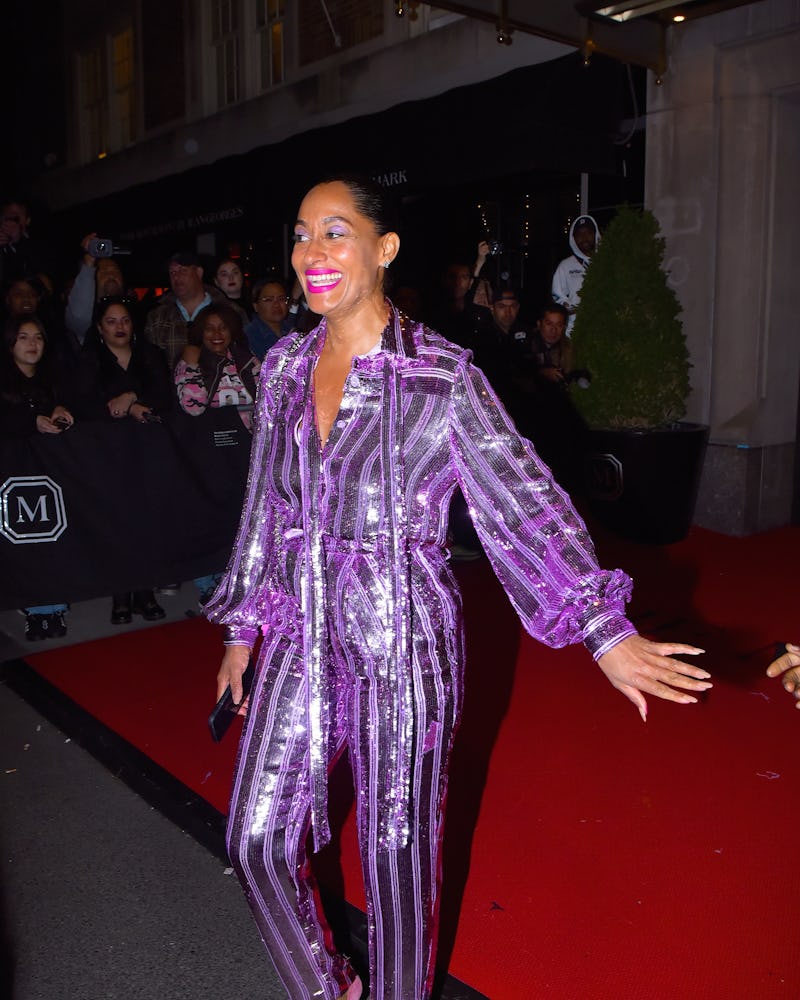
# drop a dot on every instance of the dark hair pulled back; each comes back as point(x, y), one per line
point(370, 199)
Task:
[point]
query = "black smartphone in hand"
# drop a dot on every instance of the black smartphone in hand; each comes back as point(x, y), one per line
point(226, 709)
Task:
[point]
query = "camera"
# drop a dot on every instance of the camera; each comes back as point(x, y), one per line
point(151, 418)
point(495, 248)
point(61, 422)
point(98, 246)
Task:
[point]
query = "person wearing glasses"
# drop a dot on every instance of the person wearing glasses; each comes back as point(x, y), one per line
point(272, 318)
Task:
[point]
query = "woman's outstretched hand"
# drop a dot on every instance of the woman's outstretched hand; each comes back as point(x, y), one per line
point(789, 666)
point(234, 664)
point(637, 665)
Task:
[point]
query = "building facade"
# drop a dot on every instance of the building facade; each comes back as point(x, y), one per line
point(723, 138)
point(206, 122)
point(202, 123)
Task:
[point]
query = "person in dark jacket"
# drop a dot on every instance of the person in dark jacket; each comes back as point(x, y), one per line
point(125, 377)
point(272, 319)
point(31, 401)
point(20, 255)
point(31, 393)
point(229, 279)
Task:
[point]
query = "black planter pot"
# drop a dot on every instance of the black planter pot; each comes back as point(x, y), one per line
point(642, 484)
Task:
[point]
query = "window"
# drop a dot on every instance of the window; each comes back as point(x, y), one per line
point(270, 27)
point(93, 104)
point(123, 88)
point(325, 28)
point(225, 40)
point(107, 100)
point(164, 41)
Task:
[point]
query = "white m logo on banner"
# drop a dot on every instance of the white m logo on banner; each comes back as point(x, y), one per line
point(32, 510)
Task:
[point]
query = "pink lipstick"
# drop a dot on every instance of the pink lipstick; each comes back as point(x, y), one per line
point(320, 279)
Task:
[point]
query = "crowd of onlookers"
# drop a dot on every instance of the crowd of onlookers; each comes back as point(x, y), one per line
point(99, 351)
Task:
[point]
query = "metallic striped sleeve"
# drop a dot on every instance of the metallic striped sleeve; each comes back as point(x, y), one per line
point(538, 545)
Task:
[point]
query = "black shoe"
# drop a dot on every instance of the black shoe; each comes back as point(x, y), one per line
point(145, 604)
point(121, 609)
point(34, 627)
point(57, 627)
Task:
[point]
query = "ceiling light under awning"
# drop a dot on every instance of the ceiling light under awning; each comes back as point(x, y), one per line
point(665, 11)
point(631, 9)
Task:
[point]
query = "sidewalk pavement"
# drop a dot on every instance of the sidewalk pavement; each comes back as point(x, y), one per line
point(102, 897)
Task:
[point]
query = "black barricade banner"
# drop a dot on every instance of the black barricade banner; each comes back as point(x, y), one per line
point(106, 507)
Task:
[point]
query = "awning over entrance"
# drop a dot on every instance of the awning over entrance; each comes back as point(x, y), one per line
point(556, 116)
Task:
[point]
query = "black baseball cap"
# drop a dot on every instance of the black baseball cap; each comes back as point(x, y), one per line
point(186, 258)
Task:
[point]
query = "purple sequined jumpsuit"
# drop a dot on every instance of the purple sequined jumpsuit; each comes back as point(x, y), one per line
point(340, 561)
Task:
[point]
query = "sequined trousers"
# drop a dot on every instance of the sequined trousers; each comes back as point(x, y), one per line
point(271, 803)
point(364, 638)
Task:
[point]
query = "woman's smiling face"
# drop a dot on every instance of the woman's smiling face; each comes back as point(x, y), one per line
point(216, 335)
point(338, 254)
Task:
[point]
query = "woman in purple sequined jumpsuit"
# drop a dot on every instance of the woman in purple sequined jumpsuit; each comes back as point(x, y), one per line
point(363, 429)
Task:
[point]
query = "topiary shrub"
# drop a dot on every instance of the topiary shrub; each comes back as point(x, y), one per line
point(628, 333)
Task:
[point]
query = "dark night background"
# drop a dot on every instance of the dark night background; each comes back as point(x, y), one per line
point(531, 131)
point(32, 85)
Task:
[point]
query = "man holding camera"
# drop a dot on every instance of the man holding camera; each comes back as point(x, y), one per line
point(461, 311)
point(99, 276)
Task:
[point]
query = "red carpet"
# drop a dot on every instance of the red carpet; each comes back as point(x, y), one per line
point(587, 855)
